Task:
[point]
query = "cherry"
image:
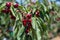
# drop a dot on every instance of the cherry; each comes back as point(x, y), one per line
point(29, 20)
point(4, 11)
point(16, 5)
point(24, 22)
point(8, 4)
point(8, 10)
point(12, 17)
point(37, 14)
point(27, 31)
point(29, 25)
point(28, 16)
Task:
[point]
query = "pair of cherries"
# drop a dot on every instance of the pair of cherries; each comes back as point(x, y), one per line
point(8, 4)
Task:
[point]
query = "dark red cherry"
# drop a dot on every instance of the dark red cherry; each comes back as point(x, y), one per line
point(24, 22)
point(29, 20)
point(37, 14)
point(8, 4)
point(12, 17)
point(27, 31)
point(16, 5)
point(4, 11)
point(28, 16)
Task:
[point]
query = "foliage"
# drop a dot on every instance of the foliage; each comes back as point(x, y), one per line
point(41, 18)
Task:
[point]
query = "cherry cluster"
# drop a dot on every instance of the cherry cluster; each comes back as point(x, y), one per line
point(7, 9)
point(27, 22)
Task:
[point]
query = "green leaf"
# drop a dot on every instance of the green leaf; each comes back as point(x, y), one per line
point(12, 11)
point(2, 6)
point(20, 16)
point(34, 23)
point(41, 20)
point(47, 18)
point(21, 30)
point(38, 34)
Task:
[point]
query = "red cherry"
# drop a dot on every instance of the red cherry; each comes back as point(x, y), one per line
point(28, 16)
point(29, 20)
point(29, 25)
point(4, 11)
point(37, 14)
point(27, 31)
point(12, 17)
point(8, 4)
point(16, 5)
point(24, 22)
point(8, 10)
